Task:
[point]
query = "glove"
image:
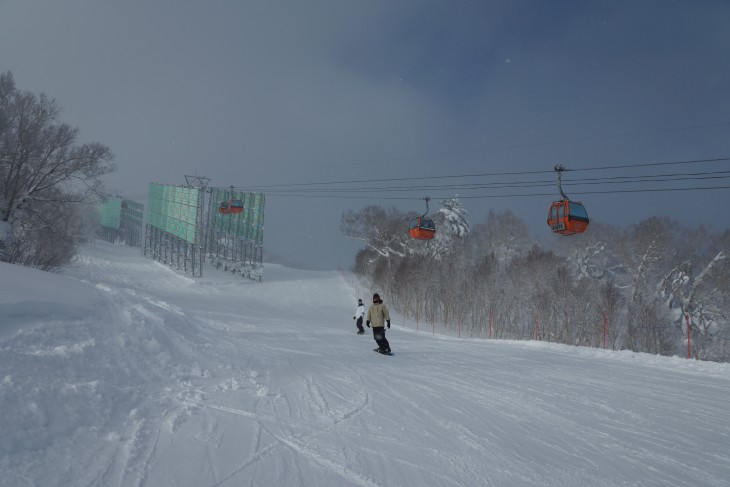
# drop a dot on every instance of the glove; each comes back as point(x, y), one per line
point(353, 317)
point(367, 323)
point(389, 324)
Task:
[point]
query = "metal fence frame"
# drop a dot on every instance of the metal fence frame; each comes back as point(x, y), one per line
point(185, 232)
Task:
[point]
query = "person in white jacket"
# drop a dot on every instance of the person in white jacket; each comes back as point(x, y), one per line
point(359, 314)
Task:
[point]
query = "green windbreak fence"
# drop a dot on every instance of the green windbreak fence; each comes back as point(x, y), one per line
point(116, 213)
point(132, 212)
point(173, 209)
point(248, 224)
point(120, 220)
point(110, 213)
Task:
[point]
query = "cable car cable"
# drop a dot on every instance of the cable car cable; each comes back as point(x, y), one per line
point(374, 195)
point(505, 184)
point(507, 173)
point(541, 183)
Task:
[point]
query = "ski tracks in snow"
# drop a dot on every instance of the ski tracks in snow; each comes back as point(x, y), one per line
point(307, 402)
point(198, 394)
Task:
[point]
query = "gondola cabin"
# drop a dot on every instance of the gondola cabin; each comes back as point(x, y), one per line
point(422, 228)
point(231, 206)
point(567, 217)
point(236, 206)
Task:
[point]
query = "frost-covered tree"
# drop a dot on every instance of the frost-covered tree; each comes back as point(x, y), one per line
point(698, 287)
point(506, 235)
point(44, 172)
point(381, 230)
point(453, 218)
point(451, 224)
point(495, 281)
point(593, 254)
point(647, 250)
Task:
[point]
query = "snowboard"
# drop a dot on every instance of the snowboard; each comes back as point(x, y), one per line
point(381, 353)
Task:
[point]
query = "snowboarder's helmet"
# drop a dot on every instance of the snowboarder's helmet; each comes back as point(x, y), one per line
point(359, 301)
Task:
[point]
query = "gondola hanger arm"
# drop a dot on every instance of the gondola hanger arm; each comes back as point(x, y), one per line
point(559, 168)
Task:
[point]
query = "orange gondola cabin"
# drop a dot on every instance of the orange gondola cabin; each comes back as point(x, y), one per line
point(422, 228)
point(566, 217)
point(231, 206)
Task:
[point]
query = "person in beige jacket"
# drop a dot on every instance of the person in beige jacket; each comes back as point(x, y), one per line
point(378, 316)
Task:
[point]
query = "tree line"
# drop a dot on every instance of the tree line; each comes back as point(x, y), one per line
point(47, 180)
point(644, 281)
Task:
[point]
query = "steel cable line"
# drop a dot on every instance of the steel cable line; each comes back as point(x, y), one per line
point(649, 164)
point(527, 184)
point(497, 185)
point(370, 193)
point(375, 195)
point(639, 190)
point(506, 173)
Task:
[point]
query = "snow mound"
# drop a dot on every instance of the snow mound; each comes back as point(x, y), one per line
point(31, 296)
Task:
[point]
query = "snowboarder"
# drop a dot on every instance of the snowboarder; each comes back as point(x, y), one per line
point(378, 315)
point(359, 314)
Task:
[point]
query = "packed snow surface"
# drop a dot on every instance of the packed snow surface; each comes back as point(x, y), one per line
point(123, 372)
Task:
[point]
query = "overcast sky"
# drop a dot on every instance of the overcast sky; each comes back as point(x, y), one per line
point(268, 92)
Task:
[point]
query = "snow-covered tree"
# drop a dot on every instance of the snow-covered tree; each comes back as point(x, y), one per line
point(648, 248)
point(698, 287)
point(451, 224)
point(506, 235)
point(43, 174)
point(592, 254)
point(381, 231)
point(453, 218)
point(493, 278)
